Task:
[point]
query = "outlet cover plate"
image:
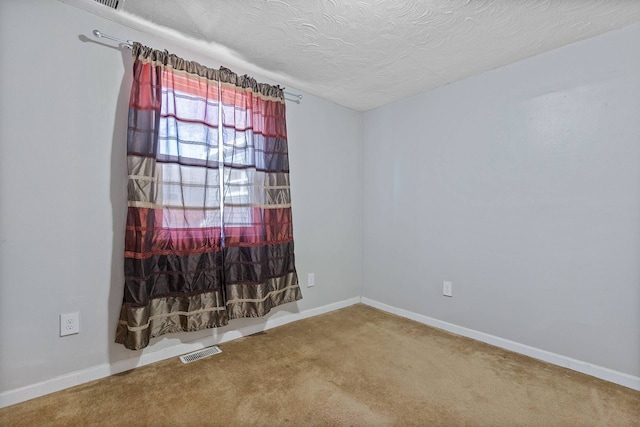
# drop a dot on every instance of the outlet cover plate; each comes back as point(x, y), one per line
point(447, 289)
point(69, 324)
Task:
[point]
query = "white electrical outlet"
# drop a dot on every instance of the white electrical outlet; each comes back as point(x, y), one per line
point(69, 324)
point(447, 289)
point(311, 280)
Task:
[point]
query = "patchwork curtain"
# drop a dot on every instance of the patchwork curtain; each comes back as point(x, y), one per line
point(209, 234)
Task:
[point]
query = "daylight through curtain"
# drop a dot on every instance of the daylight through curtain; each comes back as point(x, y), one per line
point(209, 232)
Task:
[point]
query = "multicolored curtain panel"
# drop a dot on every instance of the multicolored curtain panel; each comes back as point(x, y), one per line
point(209, 235)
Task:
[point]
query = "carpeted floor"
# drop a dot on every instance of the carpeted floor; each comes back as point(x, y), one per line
point(353, 367)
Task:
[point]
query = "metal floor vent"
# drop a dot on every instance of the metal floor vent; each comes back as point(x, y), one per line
point(113, 4)
point(200, 354)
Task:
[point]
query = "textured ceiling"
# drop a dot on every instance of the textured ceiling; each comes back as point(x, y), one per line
point(363, 54)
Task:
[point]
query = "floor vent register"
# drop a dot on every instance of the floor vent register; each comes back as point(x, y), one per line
point(200, 354)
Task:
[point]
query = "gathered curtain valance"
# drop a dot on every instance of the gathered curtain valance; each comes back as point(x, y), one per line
point(224, 75)
point(209, 233)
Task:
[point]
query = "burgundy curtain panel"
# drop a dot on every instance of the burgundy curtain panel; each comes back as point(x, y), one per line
point(209, 235)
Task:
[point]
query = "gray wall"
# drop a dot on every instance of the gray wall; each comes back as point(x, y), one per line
point(63, 192)
point(522, 187)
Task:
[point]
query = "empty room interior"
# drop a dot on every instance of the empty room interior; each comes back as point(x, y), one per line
point(459, 182)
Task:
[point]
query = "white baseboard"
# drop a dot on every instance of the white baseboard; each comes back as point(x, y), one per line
point(547, 356)
point(22, 394)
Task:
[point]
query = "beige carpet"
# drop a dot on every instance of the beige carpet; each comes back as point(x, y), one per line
point(354, 367)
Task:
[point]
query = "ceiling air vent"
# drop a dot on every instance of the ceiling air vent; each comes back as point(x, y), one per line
point(113, 4)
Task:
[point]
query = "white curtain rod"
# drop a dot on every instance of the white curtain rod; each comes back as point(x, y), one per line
point(129, 44)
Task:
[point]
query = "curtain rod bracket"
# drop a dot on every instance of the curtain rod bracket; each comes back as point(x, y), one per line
point(101, 35)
